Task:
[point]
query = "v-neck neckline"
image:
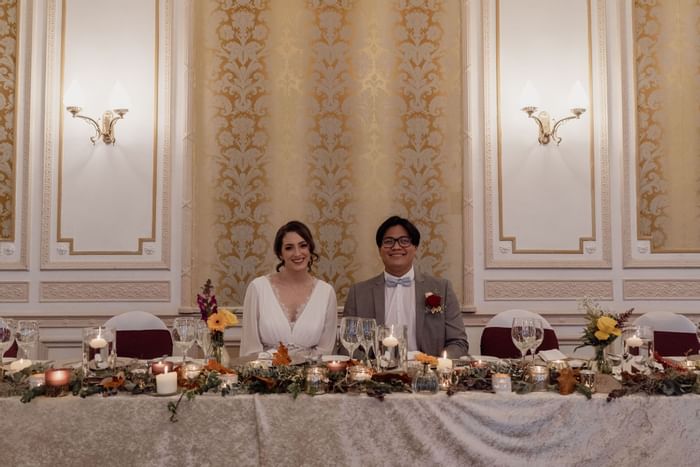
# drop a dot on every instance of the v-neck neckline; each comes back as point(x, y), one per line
point(283, 308)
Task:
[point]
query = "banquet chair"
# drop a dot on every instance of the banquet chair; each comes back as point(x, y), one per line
point(497, 342)
point(141, 335)
point(12, 351)
point(674, 334)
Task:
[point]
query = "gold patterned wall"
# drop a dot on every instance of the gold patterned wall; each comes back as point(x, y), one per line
point(667, 61)
point(8, 76)
point(338, 113)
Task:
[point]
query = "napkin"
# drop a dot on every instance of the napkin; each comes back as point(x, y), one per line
point(551, 355)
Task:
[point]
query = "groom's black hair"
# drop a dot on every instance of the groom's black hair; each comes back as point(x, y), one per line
point(396, 220)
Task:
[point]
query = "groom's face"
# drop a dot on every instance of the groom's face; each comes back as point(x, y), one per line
point(397, 259)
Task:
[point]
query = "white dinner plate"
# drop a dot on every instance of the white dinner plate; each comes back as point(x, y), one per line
point(335, 358)
point(483, 358)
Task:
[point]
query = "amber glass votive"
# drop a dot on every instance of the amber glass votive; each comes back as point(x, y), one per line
point(159, 367)
point(57, 381)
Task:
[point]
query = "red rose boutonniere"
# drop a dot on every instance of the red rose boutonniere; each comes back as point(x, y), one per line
point(433, 303)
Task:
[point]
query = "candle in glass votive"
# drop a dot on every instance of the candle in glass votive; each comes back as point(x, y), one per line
point(192, 370)
point(444, 363)
point(57, 376)
point(158, 368)
point(336, 366)
point(501, 383)
point(37, 380)
point(359, 374)
point(166, 383)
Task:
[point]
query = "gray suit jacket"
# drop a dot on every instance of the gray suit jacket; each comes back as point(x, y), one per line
point(434, 332)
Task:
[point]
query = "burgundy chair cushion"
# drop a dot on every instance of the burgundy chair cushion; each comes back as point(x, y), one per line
point(497, 342)
point(669, 343)
point(144, 344)
point(12, 351)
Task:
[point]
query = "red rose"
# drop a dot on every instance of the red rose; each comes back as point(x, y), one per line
point(433, 301)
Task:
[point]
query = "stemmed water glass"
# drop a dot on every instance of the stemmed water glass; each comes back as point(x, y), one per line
point(368, 337)
point(539, 336)
point(203, 337)
point(350, 334)
point(522, 332)
point(27, 335)
point(184, 334)
point(6, 338)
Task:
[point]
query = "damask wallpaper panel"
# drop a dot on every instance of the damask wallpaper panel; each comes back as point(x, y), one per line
point(337, 113)
point(8, 77)
point(667, 73)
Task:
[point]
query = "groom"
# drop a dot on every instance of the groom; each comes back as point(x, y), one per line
point(426, 305)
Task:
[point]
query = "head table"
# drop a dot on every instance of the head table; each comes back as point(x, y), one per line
point(405, 429)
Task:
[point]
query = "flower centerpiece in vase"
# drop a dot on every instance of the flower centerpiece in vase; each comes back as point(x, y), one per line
point(602, 328)
point(217, 319)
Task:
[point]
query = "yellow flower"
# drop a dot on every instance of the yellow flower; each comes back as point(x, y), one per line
point(229, 318)
point(216, 322)
point(606, 326)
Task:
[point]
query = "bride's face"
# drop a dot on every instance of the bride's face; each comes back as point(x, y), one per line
point(295, 252)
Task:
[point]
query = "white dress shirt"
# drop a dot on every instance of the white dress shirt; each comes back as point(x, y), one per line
point(400, 306)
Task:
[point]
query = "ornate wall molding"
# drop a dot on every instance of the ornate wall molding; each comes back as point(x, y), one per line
point(104, 291)
point(14, 292)
point(661, 289)
point(547, 290)
point(59, 253)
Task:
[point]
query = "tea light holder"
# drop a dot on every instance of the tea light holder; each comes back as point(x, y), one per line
point(501, 383)
point(555, 367)
point(316, 380)
point(444, 378)
point(160, 367)
point(539, 377)
point(57, 381)
point(228, 381)
point(192, 370)
point(37, 380)
point(588, 379)
point(359, 374)
point(336, 366)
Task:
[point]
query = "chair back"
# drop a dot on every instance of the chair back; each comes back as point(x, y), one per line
point(496, 339)
point(12, 351)
point(674, 334)
point(141, 335)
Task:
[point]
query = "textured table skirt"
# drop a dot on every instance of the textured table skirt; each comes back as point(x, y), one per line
point(276, 430)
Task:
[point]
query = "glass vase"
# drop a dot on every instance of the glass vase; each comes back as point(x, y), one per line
point(425, 381)
point(218, 349)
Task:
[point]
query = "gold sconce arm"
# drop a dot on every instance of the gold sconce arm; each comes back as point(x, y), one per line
point(104, 131)
point(547, 126)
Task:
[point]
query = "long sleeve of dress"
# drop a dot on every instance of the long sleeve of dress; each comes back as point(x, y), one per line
point(327, 342)
point(250, 340)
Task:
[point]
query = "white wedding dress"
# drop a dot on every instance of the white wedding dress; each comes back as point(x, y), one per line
point(265, 324)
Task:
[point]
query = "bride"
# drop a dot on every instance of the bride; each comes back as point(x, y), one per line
point(291, 305)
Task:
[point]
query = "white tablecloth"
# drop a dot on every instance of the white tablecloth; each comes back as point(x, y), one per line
point(404, 429)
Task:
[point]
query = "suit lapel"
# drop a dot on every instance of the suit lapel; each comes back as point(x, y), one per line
point(378, 298)
point(420, 306)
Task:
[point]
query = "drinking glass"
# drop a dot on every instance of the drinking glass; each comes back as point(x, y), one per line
point(539, 336)
point(522, 332)
point(203, 338)
point(6, 338)
point(350, 334)
point(184, 334)
point(368, 337)
point(27, 335)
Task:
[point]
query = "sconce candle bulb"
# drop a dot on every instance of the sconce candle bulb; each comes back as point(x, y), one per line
point(547, 125)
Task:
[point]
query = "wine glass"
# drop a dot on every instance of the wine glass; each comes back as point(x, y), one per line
point(350, 334)
point(27, 335)
point(203, 338)
point(6, 338)
point(522, 332)
point(184, 334)
point(538, 336)
point(368, 336)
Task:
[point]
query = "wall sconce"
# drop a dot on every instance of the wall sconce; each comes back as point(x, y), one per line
point(119, 102)
point(547, 125)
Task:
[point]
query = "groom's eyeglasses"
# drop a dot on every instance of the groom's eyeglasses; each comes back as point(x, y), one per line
point(389, 242)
